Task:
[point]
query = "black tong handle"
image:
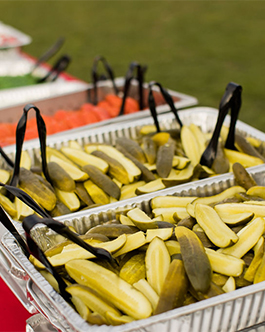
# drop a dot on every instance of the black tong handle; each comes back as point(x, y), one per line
point(25, 198)
point(20, 135)
point(4, 219)
point(30, 221)
point(168, 99)
point(57, 69)
point(128, 78)
point(96, 78)
point(230, 100)
point(7, 159)
point(49, 53)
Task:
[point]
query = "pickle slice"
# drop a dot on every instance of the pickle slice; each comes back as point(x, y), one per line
point(243, 158)
point(92, 300)
point(247, 238)
point(169, 214)
point(134, 269)
point(25, 160)
point(161, 138)
point(162, 233)
point(133, 241)
point(225, 264)
point(60, 178)
point(150, 149)
point(103, 181)
point(82, 158)
point(150, 187)
point(256, 191)
point(141, 219)
point(4, 176)
point(97, 194)
point(256, 261)
point(190, 145)
point(115, 319)
point(242, 177)
point(196, 262)
point(180, 162)
point(73, 251)
point(124, 220)
point(170, 201)
point(8, 205)
point(132, 147)
point(173, 247)
point(116, 170)
point(157, 261)
point(128, 191)
point(216, 230)
point(146, 289)
point(260, 273)
point(181, 176)
point(23, 210)
point(111, 287)
point(80, 307)
point(226, 209)
point(75, 173)
point(164, 159)
point(132, 170)
point(173, 293)
point(69, 199)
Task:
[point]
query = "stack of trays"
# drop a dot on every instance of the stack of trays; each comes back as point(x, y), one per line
point(227, 312)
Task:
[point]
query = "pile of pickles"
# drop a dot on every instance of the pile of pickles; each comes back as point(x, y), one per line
point(96, 174)
point(186, 250)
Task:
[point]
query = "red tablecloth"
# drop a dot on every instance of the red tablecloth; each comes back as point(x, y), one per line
point(13, 315)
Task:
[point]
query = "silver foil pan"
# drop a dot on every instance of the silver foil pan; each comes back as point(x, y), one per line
point(231, 312)
point(204, 117)
point(50, 97)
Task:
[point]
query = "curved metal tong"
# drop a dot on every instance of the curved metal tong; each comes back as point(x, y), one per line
point(128, 78)
point(168, 99)
point(33, 220)
point(230, 100)
point(56, 70)
point(20, 135)
point(96, 78)
point(32, 247)
point(49, 53)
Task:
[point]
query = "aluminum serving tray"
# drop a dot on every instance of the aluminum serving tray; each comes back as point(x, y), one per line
point(228, 312)
point(50, 97)
point(14, 62)
point(205, 117)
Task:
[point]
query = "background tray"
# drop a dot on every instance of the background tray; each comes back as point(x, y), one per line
point(70, 95)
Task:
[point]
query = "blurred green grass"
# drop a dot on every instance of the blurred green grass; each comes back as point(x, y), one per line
point(194, 47)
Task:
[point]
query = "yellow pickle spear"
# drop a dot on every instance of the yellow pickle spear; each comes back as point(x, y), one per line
point(110, 287)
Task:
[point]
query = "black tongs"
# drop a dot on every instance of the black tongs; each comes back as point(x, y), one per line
point(230, 100)
point(96, 77)
point(141, 70)
point(60, 65)
point(169, 101)
point(32, 248)
point(20, 135)
point(49, 53)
